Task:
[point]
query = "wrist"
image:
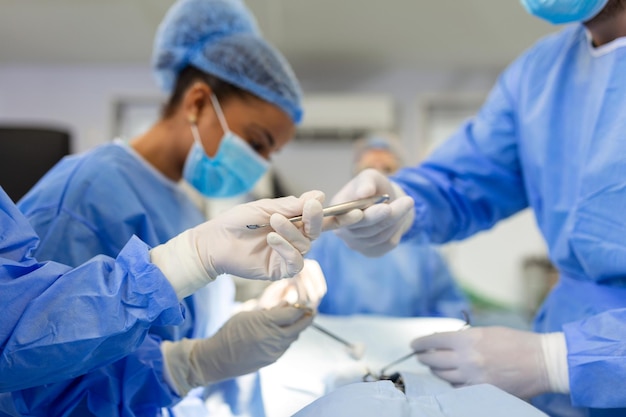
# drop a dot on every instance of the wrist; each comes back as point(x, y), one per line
point(178, 260)
point(176, 365)
point(554, 349)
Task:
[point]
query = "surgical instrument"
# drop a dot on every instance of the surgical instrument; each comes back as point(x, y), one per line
point(338, 209)
point(355, 350)
point(405, 357)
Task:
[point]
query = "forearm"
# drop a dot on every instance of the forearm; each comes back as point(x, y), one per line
point(135, 383)
point(451, 204)
point(94, 314)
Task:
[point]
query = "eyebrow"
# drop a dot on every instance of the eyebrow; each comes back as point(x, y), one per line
point(267, 134)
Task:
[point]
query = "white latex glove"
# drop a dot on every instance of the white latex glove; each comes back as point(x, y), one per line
point(382, 225)
point(225, 245)
point(247, 342)
point(306, 289)
point(522, 363)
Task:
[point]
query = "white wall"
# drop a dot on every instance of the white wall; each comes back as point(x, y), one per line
point(81, 98)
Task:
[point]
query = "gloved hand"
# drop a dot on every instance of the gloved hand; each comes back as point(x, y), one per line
point(522, 363)
point(225, 245)
point(382, 225)
point(247, 342)
point(306, 289)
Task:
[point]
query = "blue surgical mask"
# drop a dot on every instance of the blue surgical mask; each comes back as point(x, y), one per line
point(564, 11)
point(234, 169)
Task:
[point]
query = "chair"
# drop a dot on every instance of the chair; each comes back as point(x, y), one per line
point(27, 153)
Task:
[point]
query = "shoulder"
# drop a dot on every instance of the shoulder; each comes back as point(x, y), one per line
point(546, 50)
point(77, 179)
point(102, 163)
point(560, 42)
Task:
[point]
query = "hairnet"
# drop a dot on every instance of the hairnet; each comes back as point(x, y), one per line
point(221, 38)
point(380, 140)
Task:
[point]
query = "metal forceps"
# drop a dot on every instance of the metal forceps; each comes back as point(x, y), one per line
point(338, 209)
point(396, 378)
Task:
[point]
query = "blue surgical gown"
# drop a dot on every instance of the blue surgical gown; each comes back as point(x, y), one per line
point(58, 322)
point(90, 204)
point(552, 136)
point(410, 281)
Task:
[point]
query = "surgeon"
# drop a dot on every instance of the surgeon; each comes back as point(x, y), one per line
point(60, 322)
point(551, 136)
point(410, 281)
point(233, 101)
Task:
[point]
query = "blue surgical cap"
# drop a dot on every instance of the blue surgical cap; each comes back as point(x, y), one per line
point(386, 141)
point(221, 38)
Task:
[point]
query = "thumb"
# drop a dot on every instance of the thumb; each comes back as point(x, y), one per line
point(348, 219)
point(371, 182)
point(284, 316)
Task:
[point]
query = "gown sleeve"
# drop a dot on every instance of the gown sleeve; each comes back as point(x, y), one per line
point(473, 179)
point(60, 322)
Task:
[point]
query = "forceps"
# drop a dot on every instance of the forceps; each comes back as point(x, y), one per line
point(369, 376)
point(338, 209)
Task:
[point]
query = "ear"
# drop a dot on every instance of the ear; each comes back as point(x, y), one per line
point(194, 100)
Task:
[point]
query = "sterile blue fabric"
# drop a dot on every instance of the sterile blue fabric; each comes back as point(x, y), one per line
point(410, 281)
point(424, 396)
point(90, 204)
point(550, 136)
point(221, 38)
point(56, 321)
point(92, 394)
point(564, 11)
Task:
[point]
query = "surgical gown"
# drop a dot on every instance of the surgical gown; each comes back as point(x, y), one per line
point(552, 136)
point(410, 281)
point(90, 204)
point(57, 321)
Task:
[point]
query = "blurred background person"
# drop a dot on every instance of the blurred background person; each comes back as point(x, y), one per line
point(411, 280)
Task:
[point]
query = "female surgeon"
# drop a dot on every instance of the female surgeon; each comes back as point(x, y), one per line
point(551, 136)
point(233, 102)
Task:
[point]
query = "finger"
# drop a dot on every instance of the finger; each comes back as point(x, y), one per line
point(439, 359)
point(403, 210)
point(312, 218)
point(291, 258)
point(306, 290)
point(437, 341)
point(292, 331)
point(287, 206)
point(383, 217)
point(335, 222)
point(275, 293)
point(290, 232)
point(370, 182)
point(453, 376)
point(313, 194)
point(285, 316)
point(373, 218)
point(367, 183)
point(315, 281)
